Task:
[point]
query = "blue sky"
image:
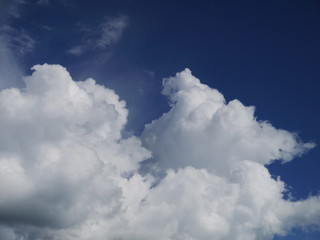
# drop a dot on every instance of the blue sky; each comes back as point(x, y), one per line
point(264, 53)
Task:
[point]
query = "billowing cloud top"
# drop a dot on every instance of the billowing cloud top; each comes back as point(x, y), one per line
point(66, 171)
point(203, 131)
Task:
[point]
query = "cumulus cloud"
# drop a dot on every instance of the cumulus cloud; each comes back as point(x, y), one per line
point(72, 175)
point(109, 33)
point(61, 150)
point(204, 131)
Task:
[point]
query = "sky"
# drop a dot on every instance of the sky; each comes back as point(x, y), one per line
point(169, 120)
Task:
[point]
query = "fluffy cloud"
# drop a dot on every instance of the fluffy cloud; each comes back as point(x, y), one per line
point(204, 131)
point(66, 171)
point(61, 150)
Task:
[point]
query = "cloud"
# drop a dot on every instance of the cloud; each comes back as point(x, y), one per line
point(204, 131)
point(72, 174)
point(10, 72)
point(108, 34)
point(61, 150)
point(19, 41)
point(43, 2)
point(11, 8)
point(14, 44)
point(22, 43)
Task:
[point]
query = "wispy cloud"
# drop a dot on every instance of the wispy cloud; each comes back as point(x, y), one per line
point(111, 31)
point(18, 40)
point(10, 72)
point(23, 43)
point(14, 43)
point(43, 2)
point(108, 34)
point(12, 9)
point(45, 27)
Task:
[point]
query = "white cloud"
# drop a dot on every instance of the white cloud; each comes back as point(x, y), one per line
point(204, 131)
point(109, 33)
point(61, 150)
point(72, 175)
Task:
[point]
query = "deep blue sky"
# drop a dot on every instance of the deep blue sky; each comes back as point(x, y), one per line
point(264, 53)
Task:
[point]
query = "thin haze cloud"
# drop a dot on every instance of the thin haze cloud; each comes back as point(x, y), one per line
point(43, 2)
point(14, 45)
point(10, 73)
point(108, 34)
point(17, 40)
point(72, 174)
point(12, 8)
point(22, 43)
